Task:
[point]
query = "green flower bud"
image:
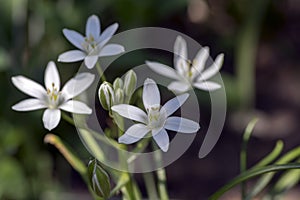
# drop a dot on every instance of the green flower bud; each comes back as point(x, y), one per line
point(129, 83)
point(99, 179)
point(118, 83)
point(119, 96)
point(106, 95)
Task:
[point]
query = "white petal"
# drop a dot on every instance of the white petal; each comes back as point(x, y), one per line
point(71, 56)
point(92, 27)
point(90, 61)
point(51, 118)
point(207, 85)
point(77, 85)
point(107, 34)
point(130, 112)
point(180, 48)
point(182, 125)
point(52, 76)
point(76, 107)
point(179, 87)
point(74, 37)
point(199, 61)
point(111, 49)
point(162, 139)
point(134, 134)
point(29, 87)
point(172, 105)
point(180, 56)
point(163, 69)
point(29, 104)
point(151, 95)
point(213, 69)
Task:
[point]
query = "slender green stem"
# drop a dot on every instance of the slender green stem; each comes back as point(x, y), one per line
point(123, 180)
point(67, 118)
point(100, 72)
point(162, 180)
point(73, 160)
point(250, 174)
point(161, 176)
point(129, 188)
point(246, 52)
point(243, 154)
point(150, 186)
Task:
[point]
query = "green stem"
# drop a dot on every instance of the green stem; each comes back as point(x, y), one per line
point(129, 188)
point(140, 147)
point(246, 52)
point(100, 72)
point(72, 159)
point(150, 186)
point(250, 174)
point(161, 175)
point(67, 118)
point(121, 182)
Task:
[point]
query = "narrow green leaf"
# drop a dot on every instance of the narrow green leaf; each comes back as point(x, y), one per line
point(265, 179)
point(74, 161)
point(243, 154)
point(250, 174)
point(288, 180)
point(271, 156)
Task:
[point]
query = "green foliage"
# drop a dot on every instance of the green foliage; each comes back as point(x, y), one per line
point(266, 169)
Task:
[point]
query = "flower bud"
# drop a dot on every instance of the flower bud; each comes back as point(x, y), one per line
point(106, 95)
point(129, 83)
point(119, 96)
point(118, 83)
point(98, 179)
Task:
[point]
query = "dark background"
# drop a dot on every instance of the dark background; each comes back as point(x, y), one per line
point(260, 40)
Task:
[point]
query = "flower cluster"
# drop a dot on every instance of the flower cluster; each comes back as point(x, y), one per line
point(93, 46)
point(115, 97)
point(119, 92)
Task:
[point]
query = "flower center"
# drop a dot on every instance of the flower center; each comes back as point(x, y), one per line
point(89, 44)
point(186, 68)
point(53, 96)
point(155, 118)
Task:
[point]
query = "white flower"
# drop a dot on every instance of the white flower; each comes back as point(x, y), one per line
point(156, 119)
point(52, 98)
point(93, 45)
point(189, 74)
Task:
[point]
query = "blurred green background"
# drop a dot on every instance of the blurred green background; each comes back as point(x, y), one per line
point(261, 72)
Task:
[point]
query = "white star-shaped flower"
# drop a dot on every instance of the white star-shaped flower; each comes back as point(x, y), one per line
point(52, 98)
point(186, 73)
point(93, 45)
point(156, 119)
